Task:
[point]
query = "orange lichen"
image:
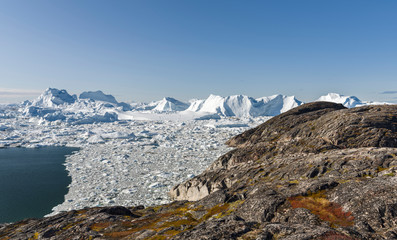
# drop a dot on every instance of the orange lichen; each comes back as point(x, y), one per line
point(319, 205)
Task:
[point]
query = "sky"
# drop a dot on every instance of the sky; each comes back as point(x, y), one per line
point(145, 50)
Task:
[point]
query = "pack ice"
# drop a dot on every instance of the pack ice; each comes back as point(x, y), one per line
point(132, 154)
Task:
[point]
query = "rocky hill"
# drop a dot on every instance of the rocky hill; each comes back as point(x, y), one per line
point(318, 171)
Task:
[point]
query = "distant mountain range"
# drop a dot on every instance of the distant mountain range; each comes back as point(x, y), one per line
point(91, 106)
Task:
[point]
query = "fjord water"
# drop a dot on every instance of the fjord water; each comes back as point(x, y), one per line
point(32, 181)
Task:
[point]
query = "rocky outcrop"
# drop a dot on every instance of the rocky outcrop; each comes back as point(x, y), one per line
point(304, 132)
point(319, 171)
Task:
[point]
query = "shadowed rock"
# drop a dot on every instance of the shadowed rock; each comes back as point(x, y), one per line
point(118, 210)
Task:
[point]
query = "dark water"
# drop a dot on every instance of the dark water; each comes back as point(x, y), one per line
point(32, 181)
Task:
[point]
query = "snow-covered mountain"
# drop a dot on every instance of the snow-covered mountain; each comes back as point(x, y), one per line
point(347, 101)
point(169, 104)
point(244, 106)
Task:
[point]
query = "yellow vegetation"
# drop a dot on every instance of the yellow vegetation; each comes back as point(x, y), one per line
point(100, 226)
point(168, 223)
point(380, 169)
point(35, 236)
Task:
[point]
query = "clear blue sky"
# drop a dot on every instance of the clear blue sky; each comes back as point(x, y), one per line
point(145, 50)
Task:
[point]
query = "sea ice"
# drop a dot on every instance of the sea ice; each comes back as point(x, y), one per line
point(134, 157)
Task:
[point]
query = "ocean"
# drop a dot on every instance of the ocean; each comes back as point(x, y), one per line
point(32, 181)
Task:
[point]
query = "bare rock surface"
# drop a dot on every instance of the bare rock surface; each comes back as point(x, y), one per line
point(318, 171)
